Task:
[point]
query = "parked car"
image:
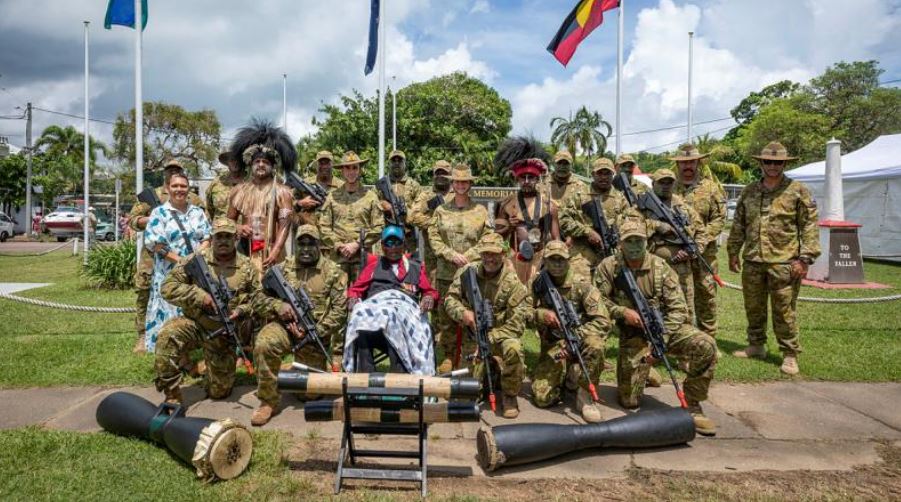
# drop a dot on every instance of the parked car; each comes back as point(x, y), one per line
point(6, 227)
point(105, 231)
point(730, 209)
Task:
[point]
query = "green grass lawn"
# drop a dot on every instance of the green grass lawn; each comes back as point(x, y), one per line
point(43, 347)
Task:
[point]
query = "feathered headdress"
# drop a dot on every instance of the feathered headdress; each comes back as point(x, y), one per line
point(522, 155)
point(262, 137)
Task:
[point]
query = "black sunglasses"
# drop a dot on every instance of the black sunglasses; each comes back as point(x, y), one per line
point(393, 243)
point(773, 162)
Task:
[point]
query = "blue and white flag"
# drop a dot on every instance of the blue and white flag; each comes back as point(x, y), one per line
point(122, 12)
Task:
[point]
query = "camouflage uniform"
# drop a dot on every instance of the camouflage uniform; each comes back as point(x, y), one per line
point(420, 216)
point(771, 228)
point(189, 331)
point(508, 296)
point(217, 196)
point(708, 200)
point(408, 190)
point(326, 284)
point(144, 270)
point(550, 372)
point(342, 217)
point(660, 285)
point(576, 224)
point(454, 230)
point(637, 186)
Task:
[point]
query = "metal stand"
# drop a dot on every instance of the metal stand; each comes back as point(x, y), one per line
point(389, 400)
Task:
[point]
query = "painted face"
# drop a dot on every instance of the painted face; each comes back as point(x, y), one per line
point(634, 248)
point(307, 250)
point(462, 187)
point(262, 167)
point(223, 243)
point(664, 188)
point(492, 262)
point(557, 266)
point(324, 168)
point(688, 170)
point(772, 168)
point(563, 170)
point(351, 173)
point(398, 167)
point(441, 181)
point(527, 183)
point(603, 180)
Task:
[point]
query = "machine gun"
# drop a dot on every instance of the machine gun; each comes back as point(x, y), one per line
point(275, 284)
point(653, 329)
point(398, 211)
point(609, 235)
point(435, 202)
point(312, 189)
point(570, 323)
point(199, 272)
point(484, 322)
point(621, 183)
point(148, 196)
point(650, 202)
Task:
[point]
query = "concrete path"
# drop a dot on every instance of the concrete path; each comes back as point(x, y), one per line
point(773, 426)
point(15, 287)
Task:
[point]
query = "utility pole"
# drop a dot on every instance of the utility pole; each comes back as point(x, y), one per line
point(28, 210)
point(87, 147)
point(691, 38)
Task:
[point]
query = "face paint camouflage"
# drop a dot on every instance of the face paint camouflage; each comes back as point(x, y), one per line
point(634, 248)
point(308, 250)
point(557, 266)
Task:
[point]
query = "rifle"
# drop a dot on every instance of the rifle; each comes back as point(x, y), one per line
point(199, 272)
point(653, 329)
point(484, 322)
point(435, 202)
point(569, 323)
point(621, 183)
point(275, 284)
point(148, 196)
point(649, 201)
point(363, 253)
point(609, 235)
point(398, 211)
point(314, 190)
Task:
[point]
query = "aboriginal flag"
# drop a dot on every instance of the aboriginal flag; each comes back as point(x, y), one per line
point(585, 17)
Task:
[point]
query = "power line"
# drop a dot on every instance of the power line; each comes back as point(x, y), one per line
point(81, 117)
point(679, 142)
point(669, 128)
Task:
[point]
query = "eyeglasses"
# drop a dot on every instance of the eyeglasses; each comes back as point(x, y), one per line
point(392, 243)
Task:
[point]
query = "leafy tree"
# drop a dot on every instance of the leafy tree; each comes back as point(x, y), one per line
point(723, 163)
point(586, 129)
point(803, 133)
point(58, 163)
point(12, 182)
point(57, 142)
point(170, 132)
point(453, 117)
point(747, 109)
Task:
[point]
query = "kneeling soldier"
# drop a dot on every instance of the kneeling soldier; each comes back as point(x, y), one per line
point(501, 288)
point(183, 334)
point(554, 361)
point(325, 283)
point(659, 284)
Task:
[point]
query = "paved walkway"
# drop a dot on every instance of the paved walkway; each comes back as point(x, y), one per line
point(773, 426)
point(15, 287)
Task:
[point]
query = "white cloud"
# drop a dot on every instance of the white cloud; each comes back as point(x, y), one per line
point(480, 6)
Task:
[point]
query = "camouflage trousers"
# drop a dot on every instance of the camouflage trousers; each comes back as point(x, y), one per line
point(551, 372)
point(180, 336)
point(445, 328)
point(687, 285)
point(142, 298)
point(705, 293)
point(143, 277)
point(274, 343)
point(688, 344)
point(760, 281)
point(509, 356)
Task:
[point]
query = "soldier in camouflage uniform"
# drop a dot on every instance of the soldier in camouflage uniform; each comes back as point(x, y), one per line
point(455, 230)
point(563, 184)
point(663, 242)
point(218, 191)
point(326, 284)
point(420, 215)
point(407, 189)
point(554, 362)
point(183, 334)
point(347, 211)
point(707, 198)
point(508, 296)
point(306, 207)
point(660, 286)
point(137, 221)
point(576, 224)
point(775, 230)
point(626, 164)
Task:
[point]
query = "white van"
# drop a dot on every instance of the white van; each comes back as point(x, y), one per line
point(6, 227)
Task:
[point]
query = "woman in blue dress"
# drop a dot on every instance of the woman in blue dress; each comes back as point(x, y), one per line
point(163, 237)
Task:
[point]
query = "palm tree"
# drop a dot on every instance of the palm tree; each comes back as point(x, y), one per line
point(585, 129)
point(718, 165)
point(565, 131)
point(58, 142)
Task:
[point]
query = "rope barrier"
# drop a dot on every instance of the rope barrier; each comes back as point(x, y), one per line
point(877, 299)
point(66, 306)
point(42, 253)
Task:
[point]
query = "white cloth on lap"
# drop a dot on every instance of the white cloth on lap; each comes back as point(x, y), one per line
point(405, 327)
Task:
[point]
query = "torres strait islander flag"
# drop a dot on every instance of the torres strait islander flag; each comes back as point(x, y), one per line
point(584, 18)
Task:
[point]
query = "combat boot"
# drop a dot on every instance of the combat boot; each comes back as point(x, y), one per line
point(790, 365)
point(511, 407)
point(140, 345)
point(654, 378)
point(703, 425)
point(173, 396)
point(629, 403)
point(591, 412)
point(755, 351)
point(263, 414)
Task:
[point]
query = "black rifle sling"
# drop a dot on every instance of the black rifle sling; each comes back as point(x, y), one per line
point(181, 228)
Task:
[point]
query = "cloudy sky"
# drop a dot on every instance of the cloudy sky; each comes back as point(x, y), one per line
point(229, 55)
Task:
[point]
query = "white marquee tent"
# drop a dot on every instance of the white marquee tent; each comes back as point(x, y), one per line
point(871, 179)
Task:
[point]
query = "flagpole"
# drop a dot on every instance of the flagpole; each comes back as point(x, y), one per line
point(619, 76)
point(285, 102)
point(381, 56)
point(690, 71)
point(394, 114)
point(86, 222)
point(139, 116)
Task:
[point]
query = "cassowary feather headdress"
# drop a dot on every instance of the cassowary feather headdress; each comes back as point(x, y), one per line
point(263, 138)
point(522, 155)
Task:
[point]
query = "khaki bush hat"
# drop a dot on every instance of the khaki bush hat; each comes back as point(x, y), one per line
point(225, 156)
point(774, 151)
point(308, 229)
point(624, 159)
point(325, 154)
point(462, 172)
point(663, 174)
point(350, 158)
point(563, 155)
point(224, 225)
point(556, 248)
point(397, 153)
point(687, 151)
point(633, 227)
point(602, 163)
point(491, 243)
point(441, 164)
point(173, 164)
